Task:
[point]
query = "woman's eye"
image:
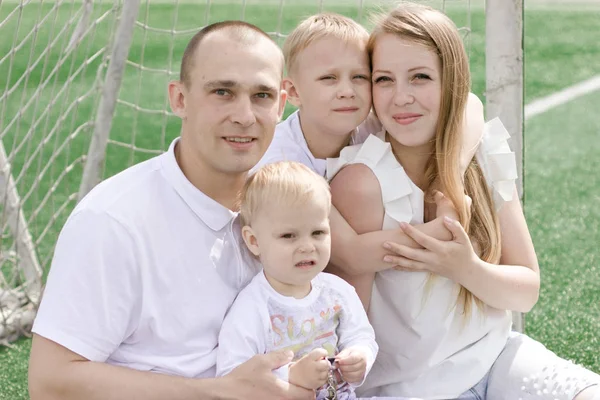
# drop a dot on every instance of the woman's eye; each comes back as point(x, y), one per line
point(382, 79)
point(422, 77)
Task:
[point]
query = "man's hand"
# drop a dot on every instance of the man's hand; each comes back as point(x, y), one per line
point(254, 379)
point(352, 363)
point(310, 371)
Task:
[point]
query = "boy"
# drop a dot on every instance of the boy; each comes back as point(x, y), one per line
point(329, 80)
point(291, 304)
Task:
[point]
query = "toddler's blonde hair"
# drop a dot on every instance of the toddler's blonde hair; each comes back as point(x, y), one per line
point(283, 183)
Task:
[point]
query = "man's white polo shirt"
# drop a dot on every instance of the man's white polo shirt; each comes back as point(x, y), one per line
point(144, 271)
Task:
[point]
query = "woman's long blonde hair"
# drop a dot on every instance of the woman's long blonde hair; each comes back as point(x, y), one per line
point(432, 29)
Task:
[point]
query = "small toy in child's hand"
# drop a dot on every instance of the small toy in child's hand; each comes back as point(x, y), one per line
point(331, 383)
point(331, 360)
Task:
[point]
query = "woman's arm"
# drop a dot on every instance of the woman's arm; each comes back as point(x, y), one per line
point(515, 284)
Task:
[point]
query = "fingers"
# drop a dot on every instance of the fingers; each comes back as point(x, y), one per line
point(458, 233)
point(293, 392)
point(406, 252)
point(317, 354)
point(276, 359)
point(421, 238)
point(404, 264)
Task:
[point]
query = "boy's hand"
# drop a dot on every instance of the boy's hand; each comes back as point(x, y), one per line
point(310, 371)
point(445, 207)
point(352, 363)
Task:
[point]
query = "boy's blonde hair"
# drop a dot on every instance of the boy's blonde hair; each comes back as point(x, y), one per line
point(321, 26)
point(285, 183)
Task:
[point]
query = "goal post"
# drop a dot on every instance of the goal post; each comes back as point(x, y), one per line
point(504, 82)
point(83, 96)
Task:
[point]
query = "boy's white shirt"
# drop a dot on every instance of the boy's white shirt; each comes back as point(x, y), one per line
point(261, 320)
point(289, 143)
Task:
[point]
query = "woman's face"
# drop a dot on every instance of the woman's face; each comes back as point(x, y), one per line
point(407, 89)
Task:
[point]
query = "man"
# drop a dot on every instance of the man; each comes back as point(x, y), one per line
point(149, 262)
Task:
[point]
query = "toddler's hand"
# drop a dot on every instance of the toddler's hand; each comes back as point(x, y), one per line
point(352, 363)
point(311, 371)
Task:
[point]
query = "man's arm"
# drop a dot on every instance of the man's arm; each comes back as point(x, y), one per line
point(56, 373)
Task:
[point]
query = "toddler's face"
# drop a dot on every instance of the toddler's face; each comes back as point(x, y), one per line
point(293, 241)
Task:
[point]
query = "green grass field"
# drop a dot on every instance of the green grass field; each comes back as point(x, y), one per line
point(561, 146)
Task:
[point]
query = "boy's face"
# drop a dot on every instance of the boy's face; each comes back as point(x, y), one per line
point(293, 242)
point(331, 84)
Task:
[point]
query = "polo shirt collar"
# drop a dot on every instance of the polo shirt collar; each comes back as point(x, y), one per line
point(213, 214)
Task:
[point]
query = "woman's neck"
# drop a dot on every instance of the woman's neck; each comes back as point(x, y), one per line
point(322, 144)
point(413, 160)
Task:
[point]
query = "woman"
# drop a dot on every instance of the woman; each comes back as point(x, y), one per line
point(443, 320)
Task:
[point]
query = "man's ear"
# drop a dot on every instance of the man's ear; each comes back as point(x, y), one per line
point(250, 240)
point(177, 93)
point(292, 93)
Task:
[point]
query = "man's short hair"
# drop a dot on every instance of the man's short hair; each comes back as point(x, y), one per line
point(321, 26)
point(239, 31)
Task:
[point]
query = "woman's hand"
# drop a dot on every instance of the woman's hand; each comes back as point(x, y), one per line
point(450, 259)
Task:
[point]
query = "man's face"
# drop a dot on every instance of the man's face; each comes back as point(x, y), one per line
point(232, 104)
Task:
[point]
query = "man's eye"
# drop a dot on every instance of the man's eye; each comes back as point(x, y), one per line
point(221, 92)
point(263, 95)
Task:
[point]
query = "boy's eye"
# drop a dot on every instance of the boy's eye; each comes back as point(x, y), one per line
point(383, 79)
point(318, 233)
point(361, 77)
point(328, 77)
point(287, 236)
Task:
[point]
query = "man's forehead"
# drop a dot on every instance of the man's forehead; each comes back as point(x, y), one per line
point(221, 58)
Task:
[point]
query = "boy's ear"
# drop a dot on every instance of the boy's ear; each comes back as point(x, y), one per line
point(250, 240)
point(292, 93)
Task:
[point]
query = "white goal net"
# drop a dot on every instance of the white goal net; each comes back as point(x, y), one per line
point(83, 96)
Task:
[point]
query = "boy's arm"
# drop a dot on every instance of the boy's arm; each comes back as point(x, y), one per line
point(472, 130)
point(356, 190)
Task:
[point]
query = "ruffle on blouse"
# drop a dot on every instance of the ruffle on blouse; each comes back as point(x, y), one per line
point(497, 162)
point(378, 156)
